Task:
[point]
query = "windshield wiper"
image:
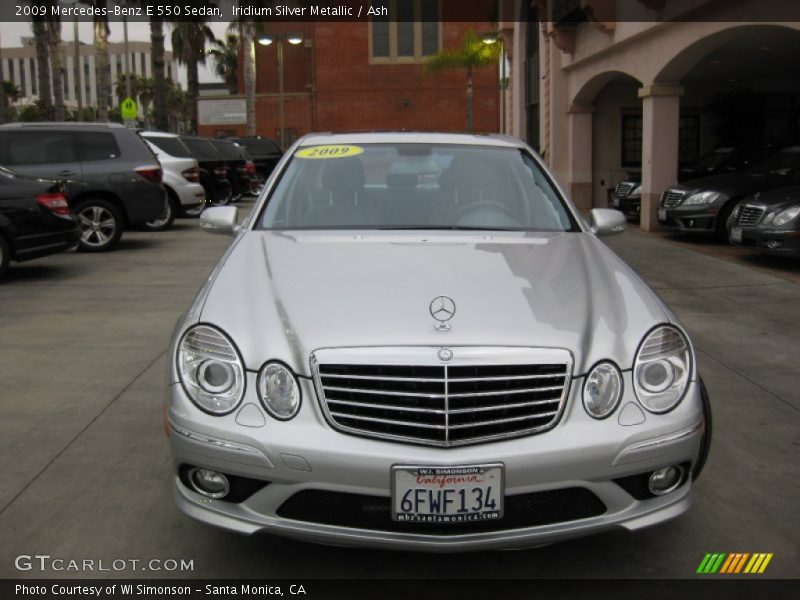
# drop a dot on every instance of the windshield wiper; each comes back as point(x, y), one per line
point(446, 228)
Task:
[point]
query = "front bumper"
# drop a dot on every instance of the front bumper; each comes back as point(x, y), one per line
point(770, 241)
point(307, 454)
point(689, 218)
point(630, 206)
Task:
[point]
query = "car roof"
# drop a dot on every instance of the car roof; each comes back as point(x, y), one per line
point(70, 124)
point(160, 134)
point(410, 137)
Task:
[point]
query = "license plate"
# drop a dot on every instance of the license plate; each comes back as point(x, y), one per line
point(447, 494)
point(736, 234)
point(615, 202)
point(662, 214)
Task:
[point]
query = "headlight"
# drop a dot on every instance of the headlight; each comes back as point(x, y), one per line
point(701, 198)
point(210, 369)
point(768, 219)
point(661, 369)
point(736, 210)
point(602, 390)
point(278, 391)
point(783, 217)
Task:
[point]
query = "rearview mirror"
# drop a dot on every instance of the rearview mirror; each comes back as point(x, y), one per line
point(220, 219)
point(606, 221)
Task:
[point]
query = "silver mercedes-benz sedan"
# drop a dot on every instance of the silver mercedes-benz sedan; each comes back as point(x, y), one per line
point(415, 341)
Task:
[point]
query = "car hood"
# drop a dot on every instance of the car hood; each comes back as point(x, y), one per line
point(283, 295)
point(733, 185)
point(778, 199)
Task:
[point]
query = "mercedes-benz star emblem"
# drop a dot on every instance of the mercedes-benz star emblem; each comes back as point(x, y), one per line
point(442, 309)
point(445, 354)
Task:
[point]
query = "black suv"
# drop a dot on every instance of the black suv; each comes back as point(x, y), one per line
point(116, 176)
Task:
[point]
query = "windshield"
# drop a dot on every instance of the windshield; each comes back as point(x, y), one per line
point(415, 186)
point(711, 160)
point(783, 163)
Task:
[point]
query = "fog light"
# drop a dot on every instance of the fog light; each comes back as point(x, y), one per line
point(209, 483)
point(774, 244)
point(663, 481)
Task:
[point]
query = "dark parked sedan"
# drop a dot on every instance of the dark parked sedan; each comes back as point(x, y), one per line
point(213, 171)
point(704, 205)
point(722, 160)
point(769, 222)
point(35, 219)
point(264, 152)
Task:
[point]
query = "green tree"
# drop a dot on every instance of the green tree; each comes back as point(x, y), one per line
point(56, 68)
point(472, 54)
point(189, 40)
point(225, 55)
point(40, 36)
point(11, 93)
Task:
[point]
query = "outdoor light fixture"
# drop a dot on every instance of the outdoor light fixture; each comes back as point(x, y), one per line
point(490, 38)
point(265, 40)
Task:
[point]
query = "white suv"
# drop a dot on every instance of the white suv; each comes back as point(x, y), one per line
point(181, 177)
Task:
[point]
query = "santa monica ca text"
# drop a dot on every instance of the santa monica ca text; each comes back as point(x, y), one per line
point(129, 589)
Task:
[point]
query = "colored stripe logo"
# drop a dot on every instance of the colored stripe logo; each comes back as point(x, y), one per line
point(734, 563)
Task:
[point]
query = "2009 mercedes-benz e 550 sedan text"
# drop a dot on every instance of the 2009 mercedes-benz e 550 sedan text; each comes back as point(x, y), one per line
point(415, 341)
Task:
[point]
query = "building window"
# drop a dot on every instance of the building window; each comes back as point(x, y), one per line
point(631, 140)
point(413, 36)
point(688, 138)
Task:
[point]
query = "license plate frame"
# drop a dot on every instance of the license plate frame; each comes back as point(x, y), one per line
point(736, 234)
point(456, 507)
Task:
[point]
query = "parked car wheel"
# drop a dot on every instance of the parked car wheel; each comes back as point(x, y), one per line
point(721, 222)
point(705, 443)
point(227, 199)
point(101, 225)
point(5, 252)
point(167, 218)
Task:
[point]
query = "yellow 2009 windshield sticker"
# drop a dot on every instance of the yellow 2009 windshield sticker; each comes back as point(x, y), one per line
point(329, 151)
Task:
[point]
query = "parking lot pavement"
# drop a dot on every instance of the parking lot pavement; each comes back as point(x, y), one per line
point(85, 465)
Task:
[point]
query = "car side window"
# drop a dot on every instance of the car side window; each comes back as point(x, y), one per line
point(96, 145)
point(38, 148)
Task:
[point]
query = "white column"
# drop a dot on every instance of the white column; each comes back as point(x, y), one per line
point(660, 122)
point(580, 156)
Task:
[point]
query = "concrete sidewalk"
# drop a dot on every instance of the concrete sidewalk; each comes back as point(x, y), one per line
point(85, 465)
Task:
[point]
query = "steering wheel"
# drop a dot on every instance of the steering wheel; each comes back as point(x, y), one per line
point(484, 205)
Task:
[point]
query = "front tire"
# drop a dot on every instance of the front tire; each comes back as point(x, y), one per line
point(101, 225)
point(705, 443)
point(721, 222)
point(5, 256)
point(167, 217)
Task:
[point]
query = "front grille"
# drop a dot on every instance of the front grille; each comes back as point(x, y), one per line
point(375, 512)
point(751, 215)
point(672, 198)
point(624, 188)
point(442, 404)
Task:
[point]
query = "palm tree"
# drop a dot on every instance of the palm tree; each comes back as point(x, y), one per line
point(40, 36)
point(177, 102)
point(249, 49)
point(226, 61)
point(146, 95)
point(159, 79)
point(56, 70)
point(472, 54)
point(189, 47)
point(121, 88)
point(101, 59)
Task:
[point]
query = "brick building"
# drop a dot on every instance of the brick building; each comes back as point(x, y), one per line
point(362, 76)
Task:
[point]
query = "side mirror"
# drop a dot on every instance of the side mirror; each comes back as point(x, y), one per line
point(606, 221)
point(220, 219)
